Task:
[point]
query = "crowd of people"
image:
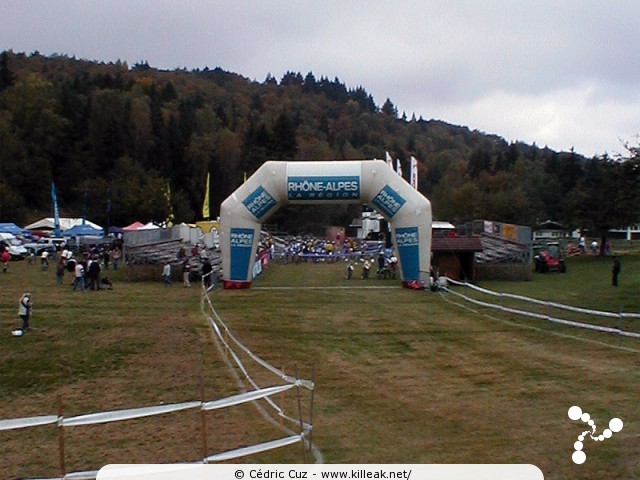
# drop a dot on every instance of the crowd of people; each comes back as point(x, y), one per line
point(304, 248)
point(87, 269)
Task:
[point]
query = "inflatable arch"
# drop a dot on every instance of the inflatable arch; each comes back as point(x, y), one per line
point(278, 183)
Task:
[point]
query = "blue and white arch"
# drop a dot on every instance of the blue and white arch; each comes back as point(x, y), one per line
point(279, 183)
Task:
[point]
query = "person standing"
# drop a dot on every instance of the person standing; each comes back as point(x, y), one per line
point(366, 266)
point(6, 256)
point(615, 271)
point(60, 268)
point(186, 272)
point(166, 274)
point(25, 307)
point(207, 272)
point(79, 277)
point(115, 257)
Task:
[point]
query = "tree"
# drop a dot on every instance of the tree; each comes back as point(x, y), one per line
point(608, 195)
point(389, 109)
point(6, 76)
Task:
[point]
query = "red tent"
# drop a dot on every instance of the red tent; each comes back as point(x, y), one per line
point(134, 226)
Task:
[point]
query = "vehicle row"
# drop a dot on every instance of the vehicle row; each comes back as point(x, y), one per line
point(19, 250)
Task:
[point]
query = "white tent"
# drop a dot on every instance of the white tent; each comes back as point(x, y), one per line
point(65, 224)
point(149, 226)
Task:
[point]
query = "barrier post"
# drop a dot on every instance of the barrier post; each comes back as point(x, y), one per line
point(282, 403)
point(61, 438)
point(304, 449)
point(203, 420)
point(313, 381)
point(619, 325)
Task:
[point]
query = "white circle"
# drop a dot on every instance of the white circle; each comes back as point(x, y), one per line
point(591, 422)
point(601, 437)
point(577, 446)
point(585, 417)
point(575, 412)
point(579, 457)
point(607, 433)
point(581, 437)
point(615, 425)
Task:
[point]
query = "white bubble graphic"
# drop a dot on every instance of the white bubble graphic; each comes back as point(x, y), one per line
point(579, 457)
point(575, 412)
point(615, 425)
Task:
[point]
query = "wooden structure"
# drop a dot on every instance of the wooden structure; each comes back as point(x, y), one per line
point(455, 256)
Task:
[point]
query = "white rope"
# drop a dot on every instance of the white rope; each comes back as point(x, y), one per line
point(252, 450)
point(16, 423)
point(258, 360)
point(128, 414)
point(542, 302)
point(245, 397)
point(549, 318)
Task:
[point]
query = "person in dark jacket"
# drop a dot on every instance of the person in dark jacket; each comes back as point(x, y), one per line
point(615, 271)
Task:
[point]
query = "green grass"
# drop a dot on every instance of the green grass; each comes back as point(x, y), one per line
point(401, 376)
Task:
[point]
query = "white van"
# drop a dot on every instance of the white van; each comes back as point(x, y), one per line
point(16, 249)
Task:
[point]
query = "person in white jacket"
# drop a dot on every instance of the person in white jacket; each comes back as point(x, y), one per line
point(25, 307)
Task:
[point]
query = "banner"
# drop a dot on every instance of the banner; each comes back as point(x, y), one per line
point(408, 246)
point(241, 245)
point(388, 201)
point(205, 205)
point(320, 181)
point(56, 213)
point(398, 167)
point(259, 202)
point(414, 173)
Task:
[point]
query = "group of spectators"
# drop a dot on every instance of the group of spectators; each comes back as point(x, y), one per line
point(303, 248)
point(87, 270)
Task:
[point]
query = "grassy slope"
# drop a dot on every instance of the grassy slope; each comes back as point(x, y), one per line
point(402, 376)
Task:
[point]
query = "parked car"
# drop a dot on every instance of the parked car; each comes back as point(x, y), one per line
point(16, 249)
point(50, 244)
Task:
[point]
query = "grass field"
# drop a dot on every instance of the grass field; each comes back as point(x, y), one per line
point(401, 376)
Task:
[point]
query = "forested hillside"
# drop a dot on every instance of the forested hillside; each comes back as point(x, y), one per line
point(126, 143)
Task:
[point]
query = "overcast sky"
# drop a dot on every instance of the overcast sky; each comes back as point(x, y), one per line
point(558, 73)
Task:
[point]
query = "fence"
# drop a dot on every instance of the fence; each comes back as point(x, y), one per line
point(620, 319)
point(232, 349)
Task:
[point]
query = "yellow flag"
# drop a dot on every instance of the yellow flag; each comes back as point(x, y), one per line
point(205, 205)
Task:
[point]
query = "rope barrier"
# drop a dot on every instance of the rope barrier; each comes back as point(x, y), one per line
point(245, 397)
point(547, 317)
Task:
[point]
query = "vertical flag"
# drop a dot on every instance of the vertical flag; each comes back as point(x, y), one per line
point(398, 167)
point(389, 160)
point(56, 212)
point(205, 205)
point(414, 173)
point(170, 217)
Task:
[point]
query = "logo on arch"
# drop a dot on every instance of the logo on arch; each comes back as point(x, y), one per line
point(259, 202)
point(388, 201)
